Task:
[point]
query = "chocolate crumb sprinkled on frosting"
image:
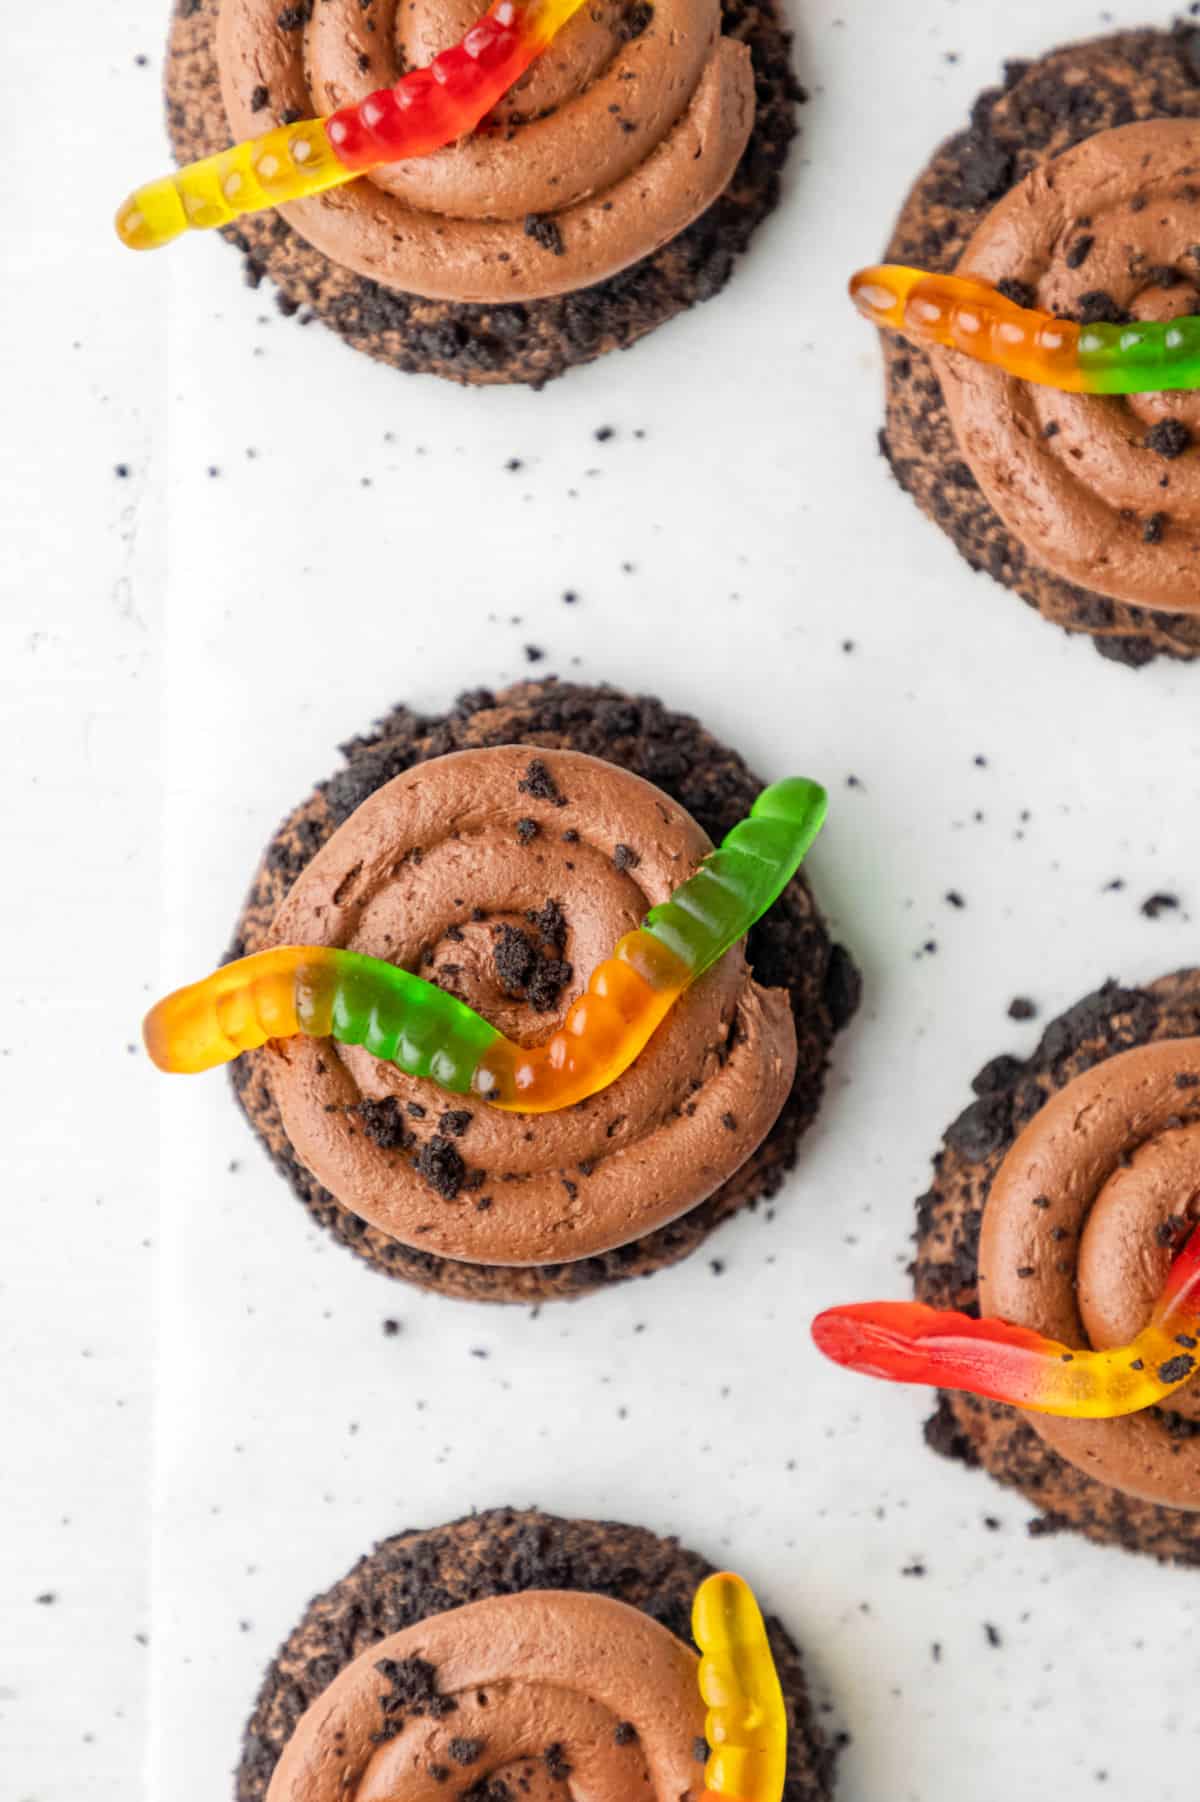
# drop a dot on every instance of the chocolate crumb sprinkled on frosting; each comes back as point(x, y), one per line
point(1169, 439)
point(382, 1204)
point(441, 1165)
point(474, 1592)
point(540, 784)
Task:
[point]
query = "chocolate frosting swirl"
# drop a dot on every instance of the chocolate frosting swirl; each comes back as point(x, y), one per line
point(1078, 1233)
point(530, 1690)
point(628, 127)
point(1113, 225)
point(440, 870)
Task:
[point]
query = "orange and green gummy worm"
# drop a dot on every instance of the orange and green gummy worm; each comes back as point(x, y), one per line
point(746, 1725)
point(959, 313)
point(906, 1342)
point(323, 992)
point(426, 109)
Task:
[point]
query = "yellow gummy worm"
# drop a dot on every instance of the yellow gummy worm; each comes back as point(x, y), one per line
point(746, 1726)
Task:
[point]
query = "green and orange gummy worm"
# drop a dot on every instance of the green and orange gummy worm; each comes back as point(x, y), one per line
point(961, 313)
point(323, 992)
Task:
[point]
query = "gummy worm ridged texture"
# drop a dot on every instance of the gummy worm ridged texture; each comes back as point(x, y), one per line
point(746, 1725)
point(958, 313)
point(907, 1342)
point(323, 992)
point(427, 109)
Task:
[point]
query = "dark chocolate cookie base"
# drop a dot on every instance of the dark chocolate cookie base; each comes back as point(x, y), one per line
point(420, 1573)
point(532, 341)
point(1042, 109)
point(1009, 1094)
point(790, 948)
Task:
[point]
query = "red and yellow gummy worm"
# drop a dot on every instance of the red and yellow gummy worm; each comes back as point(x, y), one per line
point(906, 1342)
point(960, 313)
point(746, 1725)
point(427, 108)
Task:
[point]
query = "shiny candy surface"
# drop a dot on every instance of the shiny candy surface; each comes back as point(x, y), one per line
point(426, 109)
point(357, 1000)
point(963, 314)
point(322, 993)
point(908, 1343)
point(746, 1727)
point(631, 992)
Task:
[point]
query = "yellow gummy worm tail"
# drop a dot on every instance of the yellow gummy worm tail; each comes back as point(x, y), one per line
point(238, 1009)
point(288, 163)
point(746, 1726)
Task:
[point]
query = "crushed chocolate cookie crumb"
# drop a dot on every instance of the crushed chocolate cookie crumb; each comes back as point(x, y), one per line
point(1169, 439)
point(1020, 293)
point(551, 922)
point(383, 1123)
point(1099, 308)
point(545, 234)
point(539, 784)
point(556, 1762)
point(441, 1166)
point(528, 971)
point(412, 1692)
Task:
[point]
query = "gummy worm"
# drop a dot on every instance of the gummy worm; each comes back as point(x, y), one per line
point(746, 1726)
point(426, 109)
point(323, 992)
point(906, 1342)
point(1144, 357)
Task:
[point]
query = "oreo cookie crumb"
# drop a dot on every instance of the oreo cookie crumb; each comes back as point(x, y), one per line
point(1099, 308)
point(556, 1762)
point(539, 784)
point(441, 1166)
point(545, 234)
point(1169, 439)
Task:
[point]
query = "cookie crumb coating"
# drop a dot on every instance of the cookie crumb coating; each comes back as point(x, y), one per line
point(789, 949)
point(530, 341)
point(1042, 109)
point(503, 1551)
point(1009, 1092)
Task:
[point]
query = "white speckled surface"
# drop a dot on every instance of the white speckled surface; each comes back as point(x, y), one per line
point(182, 649)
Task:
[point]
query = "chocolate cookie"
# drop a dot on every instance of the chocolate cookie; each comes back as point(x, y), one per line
point(1043, 109)
point(503, 1552)
point(789, 950)
point(1010, 1093)
point(526, 340)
